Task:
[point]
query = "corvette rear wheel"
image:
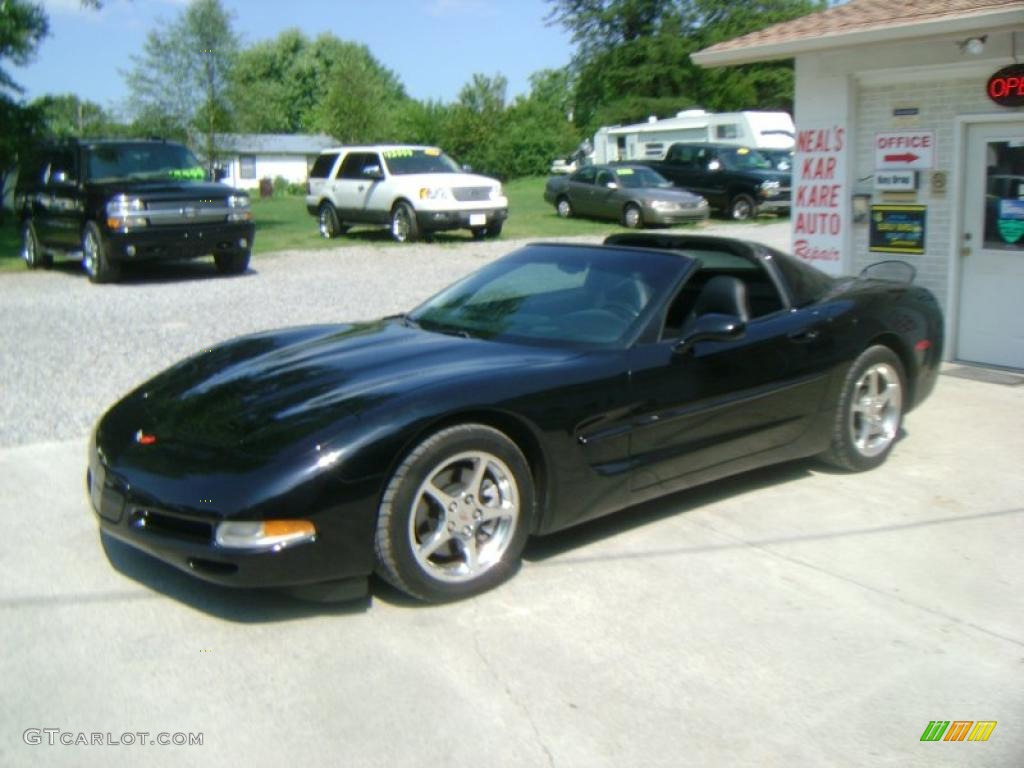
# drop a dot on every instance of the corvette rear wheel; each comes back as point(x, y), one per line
point(870, 411)
point(455, 516)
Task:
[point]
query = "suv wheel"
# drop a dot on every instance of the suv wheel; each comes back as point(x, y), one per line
point(232, 263)
point(30, 251)
point(329, 224)
point(95, 258)
point(404, 228)
point(742, 208)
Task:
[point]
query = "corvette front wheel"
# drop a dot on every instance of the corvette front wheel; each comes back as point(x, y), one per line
point(455, 516)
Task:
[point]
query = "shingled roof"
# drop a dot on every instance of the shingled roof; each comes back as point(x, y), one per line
point(863, 21)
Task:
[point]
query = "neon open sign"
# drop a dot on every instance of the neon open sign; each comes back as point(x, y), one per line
point(1006, 87)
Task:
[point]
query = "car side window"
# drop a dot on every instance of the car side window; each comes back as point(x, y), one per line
point(584, 176)
point(604, 178)
point(322, 167)
point(63, 168)
point(762, 296)
point(354, 163)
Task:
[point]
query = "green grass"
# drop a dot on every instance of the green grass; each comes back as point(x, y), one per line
point(282, 224)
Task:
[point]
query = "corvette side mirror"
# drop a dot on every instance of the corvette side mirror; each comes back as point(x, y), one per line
point(711, 327)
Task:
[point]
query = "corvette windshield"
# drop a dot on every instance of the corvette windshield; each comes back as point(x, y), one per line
point(142, 160)
point(402, 162)
point(556, 294)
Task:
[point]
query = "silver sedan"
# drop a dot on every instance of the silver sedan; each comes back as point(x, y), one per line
point(632, 194)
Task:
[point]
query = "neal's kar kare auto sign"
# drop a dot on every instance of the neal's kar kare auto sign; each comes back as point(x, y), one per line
point(819, 183)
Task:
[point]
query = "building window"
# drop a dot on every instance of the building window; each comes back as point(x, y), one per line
point(247, 167)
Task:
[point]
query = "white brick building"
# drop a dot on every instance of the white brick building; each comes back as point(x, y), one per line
point(894, 99)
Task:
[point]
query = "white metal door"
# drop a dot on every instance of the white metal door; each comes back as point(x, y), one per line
point(990, 327)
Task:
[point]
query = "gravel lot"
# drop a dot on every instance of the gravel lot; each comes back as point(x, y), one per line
point(69, 348)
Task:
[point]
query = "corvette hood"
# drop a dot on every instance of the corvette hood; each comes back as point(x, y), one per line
point(281, 386)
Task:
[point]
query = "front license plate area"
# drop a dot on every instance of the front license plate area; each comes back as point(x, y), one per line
point(477, 219)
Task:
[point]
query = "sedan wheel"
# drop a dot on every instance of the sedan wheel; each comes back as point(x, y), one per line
point(564, 207)
point(870, 411)
point(631, 217)
point(456, 514)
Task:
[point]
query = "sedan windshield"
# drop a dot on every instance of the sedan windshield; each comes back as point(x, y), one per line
point(139, 160)
point(402, 162)
point(637, 178)
point(556, 294)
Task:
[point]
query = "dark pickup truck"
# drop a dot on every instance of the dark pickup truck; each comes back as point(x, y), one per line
point(111, 202)
point(738, 182)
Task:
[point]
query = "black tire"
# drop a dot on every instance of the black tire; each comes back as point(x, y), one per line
point(457, 518)
point(479, 233)
point(867, 423)
point(632, 216)
point(404, 227)
point(564, 208)
point(96, 259)
point(234, 263)
point(329, 225)
point(31, 252)
point(493, 229)
point(742, 208)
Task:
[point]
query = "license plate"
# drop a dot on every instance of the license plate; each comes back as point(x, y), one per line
point(477, 219)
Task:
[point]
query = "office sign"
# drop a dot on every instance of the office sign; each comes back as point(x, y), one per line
point(905, 150)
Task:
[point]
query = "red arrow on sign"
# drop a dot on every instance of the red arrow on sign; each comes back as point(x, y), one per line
point(909, 157)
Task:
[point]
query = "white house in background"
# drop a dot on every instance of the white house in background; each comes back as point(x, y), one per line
point(910, 145)
point(249, 157)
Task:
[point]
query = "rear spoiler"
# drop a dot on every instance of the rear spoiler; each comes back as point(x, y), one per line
point(893, 270)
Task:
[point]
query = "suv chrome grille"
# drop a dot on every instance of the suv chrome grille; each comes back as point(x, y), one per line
point(185, 211)
point(471, 194)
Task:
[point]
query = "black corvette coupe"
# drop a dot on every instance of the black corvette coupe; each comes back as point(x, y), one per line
point(554, 385)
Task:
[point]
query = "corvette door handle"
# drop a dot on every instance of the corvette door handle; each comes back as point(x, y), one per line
point(805, 336)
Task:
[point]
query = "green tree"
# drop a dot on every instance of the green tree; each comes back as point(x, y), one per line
point(179, 83)
point(66, 115)
point(291, 85)
point(633, 56)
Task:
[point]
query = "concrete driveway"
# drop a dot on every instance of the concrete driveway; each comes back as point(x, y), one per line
point(793, 616)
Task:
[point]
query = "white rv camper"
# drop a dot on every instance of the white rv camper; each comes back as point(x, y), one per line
point(650, 140)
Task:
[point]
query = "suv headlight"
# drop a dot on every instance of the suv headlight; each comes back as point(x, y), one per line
point(770, 188)
point(435, 193)
point(239, 205)
point(124, 213)
point(496, 192)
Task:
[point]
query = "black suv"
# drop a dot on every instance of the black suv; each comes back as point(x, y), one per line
point(110, 202)
point(737, 181)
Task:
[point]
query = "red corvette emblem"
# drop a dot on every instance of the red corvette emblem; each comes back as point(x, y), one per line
point(143, 439)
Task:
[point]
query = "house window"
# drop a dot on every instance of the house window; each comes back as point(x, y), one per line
point(247, 167)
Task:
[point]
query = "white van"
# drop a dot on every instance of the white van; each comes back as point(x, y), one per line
point(650, 140)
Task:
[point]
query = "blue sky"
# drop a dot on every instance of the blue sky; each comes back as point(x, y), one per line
point(433, 45)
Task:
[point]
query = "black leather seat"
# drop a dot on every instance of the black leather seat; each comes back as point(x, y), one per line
point(721, 295)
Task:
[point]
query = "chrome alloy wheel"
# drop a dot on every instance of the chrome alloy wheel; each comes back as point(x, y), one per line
point(327, 223)
point(464, 517)
point(875, 410)
point(90, 252)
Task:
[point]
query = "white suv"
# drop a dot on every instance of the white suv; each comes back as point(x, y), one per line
point(412, 190)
